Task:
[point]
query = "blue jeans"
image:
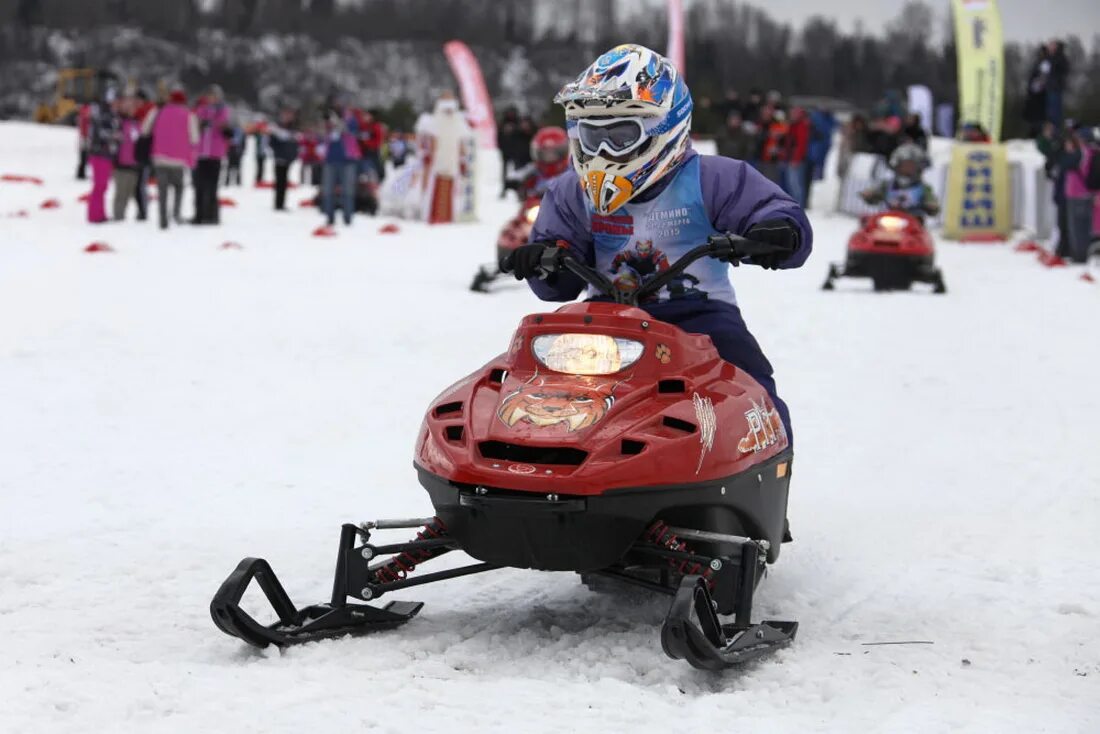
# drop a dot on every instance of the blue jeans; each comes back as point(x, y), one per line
point(722, 322)
point(344, 174)
point(790, 177)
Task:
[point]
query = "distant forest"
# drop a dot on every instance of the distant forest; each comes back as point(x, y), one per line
point(730, 45)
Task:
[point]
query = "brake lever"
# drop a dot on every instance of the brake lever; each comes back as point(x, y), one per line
point(551, 262)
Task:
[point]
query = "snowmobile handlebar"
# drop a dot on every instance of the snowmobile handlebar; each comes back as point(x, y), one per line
point(729, 247)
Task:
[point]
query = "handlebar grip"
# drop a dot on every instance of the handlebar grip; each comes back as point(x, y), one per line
point(731, 246)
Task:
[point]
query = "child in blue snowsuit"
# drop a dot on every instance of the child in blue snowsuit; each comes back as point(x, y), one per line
point(639, 198)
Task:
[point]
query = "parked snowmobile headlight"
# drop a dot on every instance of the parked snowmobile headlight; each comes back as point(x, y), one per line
point(586, 354)
point(533, 214)
point(893, 224)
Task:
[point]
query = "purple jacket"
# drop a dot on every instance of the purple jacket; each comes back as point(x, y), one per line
point(213, 121)
point(735, 196)
point(1075, 187)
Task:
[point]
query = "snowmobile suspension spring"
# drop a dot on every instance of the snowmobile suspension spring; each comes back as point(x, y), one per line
point(401, 565)
point(660, 535)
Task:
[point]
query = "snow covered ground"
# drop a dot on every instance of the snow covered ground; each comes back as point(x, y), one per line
point(171, 407)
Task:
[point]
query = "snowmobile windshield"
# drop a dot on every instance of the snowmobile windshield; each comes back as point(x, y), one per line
point(586, 354)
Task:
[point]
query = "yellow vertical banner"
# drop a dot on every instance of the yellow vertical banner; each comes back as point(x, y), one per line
point(979, 193)
point(980, 49)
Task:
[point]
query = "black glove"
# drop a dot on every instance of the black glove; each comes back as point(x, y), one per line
point(526, 261)
point(782, 232)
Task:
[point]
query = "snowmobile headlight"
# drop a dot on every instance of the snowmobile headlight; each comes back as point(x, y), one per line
point(532, 214)
point(892, 223)
point(586, 354)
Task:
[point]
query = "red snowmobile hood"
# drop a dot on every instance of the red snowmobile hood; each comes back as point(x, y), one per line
point(679, 414)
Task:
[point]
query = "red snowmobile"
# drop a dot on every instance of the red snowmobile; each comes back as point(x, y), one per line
point(549, 158)
point(894, 250)
point(515, 233)
point(602, 442)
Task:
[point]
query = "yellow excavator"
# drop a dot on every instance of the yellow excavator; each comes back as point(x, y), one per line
point(75, 87)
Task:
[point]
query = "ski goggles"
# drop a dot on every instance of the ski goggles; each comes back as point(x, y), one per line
point(614, 135)
point(619, 136)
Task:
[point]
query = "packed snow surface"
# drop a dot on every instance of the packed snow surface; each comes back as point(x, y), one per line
point(171, 407)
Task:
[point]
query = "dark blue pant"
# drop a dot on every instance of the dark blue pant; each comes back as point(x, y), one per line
point(722, 322)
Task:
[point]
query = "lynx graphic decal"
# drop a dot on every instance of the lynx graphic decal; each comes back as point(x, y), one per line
point(543, 401)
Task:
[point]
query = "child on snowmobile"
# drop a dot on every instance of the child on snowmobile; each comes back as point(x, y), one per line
point(906, 191)
point(637, 184)
point(549, 158)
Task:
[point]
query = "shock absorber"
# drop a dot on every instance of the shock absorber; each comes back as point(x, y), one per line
point(661, 535)
point(402, 564)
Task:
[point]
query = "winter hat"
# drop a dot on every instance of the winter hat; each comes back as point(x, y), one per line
point(177, 96)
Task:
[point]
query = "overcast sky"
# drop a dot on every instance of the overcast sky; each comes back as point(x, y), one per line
point(1023, 20)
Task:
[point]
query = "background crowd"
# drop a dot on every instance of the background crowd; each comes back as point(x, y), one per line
point(127, 139)
point(132, 139)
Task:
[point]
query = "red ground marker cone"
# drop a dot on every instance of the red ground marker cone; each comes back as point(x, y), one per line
point(99, 247)
point(1028, 246)
point(324, 231)
point(18, 178)
point(307, 203)
point(1050, 260)
point(84, 197)
point(231, 246)
point(1088, 277)
point(983, 238)
point(21, 214)
point(226, 201)
point(50, 204)
point(264, 185)
point(390, 228)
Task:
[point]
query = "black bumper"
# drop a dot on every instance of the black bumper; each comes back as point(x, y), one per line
point(583, 533)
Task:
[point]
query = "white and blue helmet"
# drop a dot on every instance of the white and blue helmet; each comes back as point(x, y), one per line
point(628, 116)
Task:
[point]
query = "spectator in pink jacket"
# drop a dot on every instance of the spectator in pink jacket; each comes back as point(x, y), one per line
point(1080, 147)
point(127, 167)
point(215, 131)
point(175, 138)
point(103, 135)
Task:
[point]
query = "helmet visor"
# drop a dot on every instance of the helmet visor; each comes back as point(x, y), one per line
point(551, 153)
point(615, 136)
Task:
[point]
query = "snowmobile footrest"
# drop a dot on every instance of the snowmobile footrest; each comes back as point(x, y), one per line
point(693, 632)
point(316, 622)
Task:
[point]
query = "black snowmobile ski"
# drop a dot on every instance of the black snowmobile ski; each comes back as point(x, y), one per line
point(355, 577)
point(705, 642)
point(693, 632)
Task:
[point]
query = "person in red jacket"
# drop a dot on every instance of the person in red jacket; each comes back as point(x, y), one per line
point(372, 134)
point(796, 143)
point(773, 143)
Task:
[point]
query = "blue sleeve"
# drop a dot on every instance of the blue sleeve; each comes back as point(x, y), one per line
point(563, 216)
point(737, 196)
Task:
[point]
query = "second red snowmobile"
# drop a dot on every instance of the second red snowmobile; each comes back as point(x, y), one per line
point(549, 158)
point(894, 250)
